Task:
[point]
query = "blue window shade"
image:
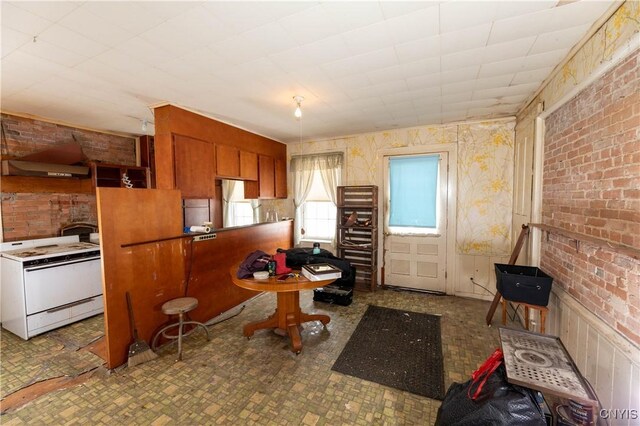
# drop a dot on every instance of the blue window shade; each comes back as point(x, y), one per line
point(413, 191)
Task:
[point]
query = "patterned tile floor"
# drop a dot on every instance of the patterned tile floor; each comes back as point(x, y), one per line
point(232, 380)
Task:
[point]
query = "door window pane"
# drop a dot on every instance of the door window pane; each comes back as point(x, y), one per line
point(413, 185)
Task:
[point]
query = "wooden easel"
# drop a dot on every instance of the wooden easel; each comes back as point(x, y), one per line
point(512, 261)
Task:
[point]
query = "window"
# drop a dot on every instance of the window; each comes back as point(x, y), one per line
point(319, 212)
point(236, 210)
point(315, 181)
point(413, 194)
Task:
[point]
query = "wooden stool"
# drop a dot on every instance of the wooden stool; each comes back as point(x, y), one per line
point(179, 307)
point(543, 313)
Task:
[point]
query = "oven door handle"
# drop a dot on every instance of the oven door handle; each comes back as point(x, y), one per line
point(58, 264)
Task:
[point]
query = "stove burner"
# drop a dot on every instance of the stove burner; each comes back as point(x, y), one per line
point(532, 357)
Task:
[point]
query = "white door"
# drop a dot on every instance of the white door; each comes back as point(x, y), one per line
point(415, 222)
point(522, 183)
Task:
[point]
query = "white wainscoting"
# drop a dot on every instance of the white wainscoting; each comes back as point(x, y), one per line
point(609, 361)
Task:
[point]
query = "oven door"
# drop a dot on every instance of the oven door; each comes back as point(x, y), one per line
point(51, 286)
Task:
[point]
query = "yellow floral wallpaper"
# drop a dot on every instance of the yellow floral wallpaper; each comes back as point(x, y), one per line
point(485, 186)
point(485, 175)
point(613, 35)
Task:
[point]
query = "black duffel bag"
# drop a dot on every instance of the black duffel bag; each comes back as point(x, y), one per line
point(497, 403)
point(297, 257)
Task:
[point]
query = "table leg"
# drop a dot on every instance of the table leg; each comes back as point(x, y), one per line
point(271, 322)
point(294, 333)
point(324, 319)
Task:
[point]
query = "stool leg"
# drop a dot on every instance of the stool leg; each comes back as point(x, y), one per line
point(504, 312)
point(180, 321)
point(526, 317)
point(543, 317)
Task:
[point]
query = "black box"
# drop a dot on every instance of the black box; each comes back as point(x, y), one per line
point(334, 294)
point(525, 284)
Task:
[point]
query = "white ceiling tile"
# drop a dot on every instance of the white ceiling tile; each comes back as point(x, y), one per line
point(456, 96)
point(508, 9)
point(455, 16)
point(424, 81)
point(505, 91)
point(362, 63)
point(459, 87)
point(125, 14)
point(510, 66)
point(418, 49)
point(383, 75)
point(422, 67)
point(533, 75)
point(419, 24)
point(53, 53)
point(468, 38)
point(352, 15)
point(94, 28)
point(201, 26)
point(19, 19)
point(541, 60)
point(464, 59)
point(353, 80)
point(461, 74)
point(371, 37)
point(377, 90)
point(326, 50)
point(140, 50)
point(565, 38)
point(66, 39)
point(246, 15)
point(236, 50)
point(167, 9)
point(270, 38)
point(310, 25)
point(508, 50)
point(50, 10)
point(12, 39)
point(172, 39)
point(493, 82)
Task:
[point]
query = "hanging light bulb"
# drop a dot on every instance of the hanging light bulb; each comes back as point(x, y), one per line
point(144, 125)
point(298, 112)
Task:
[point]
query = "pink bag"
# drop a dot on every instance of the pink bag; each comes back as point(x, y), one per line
point(281, 263)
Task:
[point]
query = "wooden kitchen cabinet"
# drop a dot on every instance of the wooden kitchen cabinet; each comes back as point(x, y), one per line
point(281, 178)
point(227, 161)
point(248, 165)
point(194, 167)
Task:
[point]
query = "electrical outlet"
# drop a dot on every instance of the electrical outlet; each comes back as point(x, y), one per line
point(204, 237)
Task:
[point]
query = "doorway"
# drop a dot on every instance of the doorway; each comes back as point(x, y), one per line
point(416, 194)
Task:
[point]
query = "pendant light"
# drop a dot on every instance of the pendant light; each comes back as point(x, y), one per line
point(298, 112)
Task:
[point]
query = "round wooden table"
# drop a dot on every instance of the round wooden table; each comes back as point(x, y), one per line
point(288, 317)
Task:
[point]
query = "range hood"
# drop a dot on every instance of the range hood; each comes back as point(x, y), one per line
point(31, 168)
point(57, 161)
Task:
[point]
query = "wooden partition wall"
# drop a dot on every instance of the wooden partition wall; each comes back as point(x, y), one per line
point(156, 272)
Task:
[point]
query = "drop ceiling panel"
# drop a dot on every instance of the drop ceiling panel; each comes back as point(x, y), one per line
point(362, 66)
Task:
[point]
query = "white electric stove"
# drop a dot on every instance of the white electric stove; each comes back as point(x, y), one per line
point(48, 283)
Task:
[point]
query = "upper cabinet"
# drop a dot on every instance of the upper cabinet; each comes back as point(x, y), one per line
point(194, 167)
point(248, 165)
point(272, 179)
point(227, 161)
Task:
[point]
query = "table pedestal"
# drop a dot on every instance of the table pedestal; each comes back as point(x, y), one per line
point(288, 317)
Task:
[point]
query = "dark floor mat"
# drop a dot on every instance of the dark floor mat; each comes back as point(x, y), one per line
point(396, 348)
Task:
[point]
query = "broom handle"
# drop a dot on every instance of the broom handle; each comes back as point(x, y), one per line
point(131, 320)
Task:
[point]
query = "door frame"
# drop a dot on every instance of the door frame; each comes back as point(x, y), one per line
point(452, 186)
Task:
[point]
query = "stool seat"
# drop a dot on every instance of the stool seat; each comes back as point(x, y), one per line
point(181, 305)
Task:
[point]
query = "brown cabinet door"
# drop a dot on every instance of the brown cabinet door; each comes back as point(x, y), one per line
point(248, 165)
point(281, 178)
point(227, 161)
point(266, 168)
point(194, 167)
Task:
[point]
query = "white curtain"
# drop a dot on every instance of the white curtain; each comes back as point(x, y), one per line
point(228, 189)
point(330, 167)
point(302, 169)
point(255, 206)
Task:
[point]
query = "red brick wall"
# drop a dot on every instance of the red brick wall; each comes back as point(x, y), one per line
point(38, 214)
point(592, 186)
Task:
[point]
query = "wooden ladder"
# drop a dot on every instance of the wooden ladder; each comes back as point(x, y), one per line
point(512, 261)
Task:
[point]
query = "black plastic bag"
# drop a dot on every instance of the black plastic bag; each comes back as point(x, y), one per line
point(499, 403)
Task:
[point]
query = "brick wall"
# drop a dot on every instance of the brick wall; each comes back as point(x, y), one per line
point(592, 186)
point(37, 214)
